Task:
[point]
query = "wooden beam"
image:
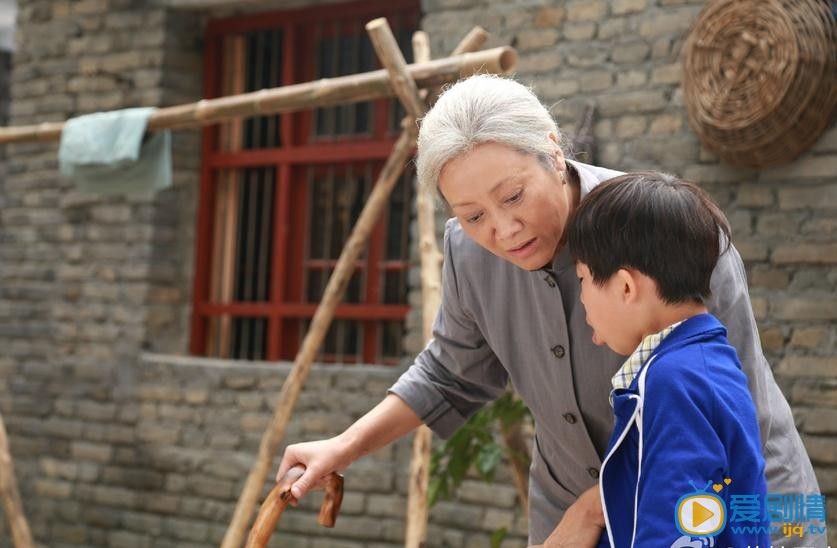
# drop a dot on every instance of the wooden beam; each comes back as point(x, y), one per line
point(319, 93)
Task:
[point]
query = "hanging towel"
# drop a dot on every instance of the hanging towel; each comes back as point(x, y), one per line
point(108, 153)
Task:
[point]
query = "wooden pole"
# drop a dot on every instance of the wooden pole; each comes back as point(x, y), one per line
point(396, 66)
point(472, 41)
point(431, 293)
point(418, 510)
point(21, 535)
point(405, 87)
point(517, 451)
point(319, 93)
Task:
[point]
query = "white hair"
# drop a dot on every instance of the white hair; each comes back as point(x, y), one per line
point(479, 109)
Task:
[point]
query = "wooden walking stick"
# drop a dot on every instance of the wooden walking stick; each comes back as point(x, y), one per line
point(279, 498)
point(21, 535)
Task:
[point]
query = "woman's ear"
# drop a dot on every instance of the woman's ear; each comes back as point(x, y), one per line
point(560, 161)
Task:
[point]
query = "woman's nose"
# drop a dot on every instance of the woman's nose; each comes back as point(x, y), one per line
point(507, 226)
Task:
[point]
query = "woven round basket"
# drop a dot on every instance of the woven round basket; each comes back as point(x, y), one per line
point(760, 78)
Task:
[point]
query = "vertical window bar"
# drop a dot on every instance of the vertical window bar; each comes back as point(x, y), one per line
point(334, 53)
point(250, 76)
point(258, 83)
point(318, 127)
point(331, 214)
point(352, 61)
point(252, 219)
point(275, 81)
point(266, 233)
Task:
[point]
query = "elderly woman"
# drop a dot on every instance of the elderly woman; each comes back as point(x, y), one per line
point(510, 311)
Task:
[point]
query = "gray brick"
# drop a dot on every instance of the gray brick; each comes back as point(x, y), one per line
point(580, 31)
point(536, 39)
point(489, 494)
point(630, 53)
point(805, 253)
point(590, 10)
point(549, 16)
point(620, 7)
point(95, 452)
point(183, 529)
point(823, 307)
point(631, 102)
point(667, 22)
point(818, 197)
point(811, 366)
point(213, 488)
point(124, 539)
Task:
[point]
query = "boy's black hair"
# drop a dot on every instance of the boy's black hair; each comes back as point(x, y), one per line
point(665, 228)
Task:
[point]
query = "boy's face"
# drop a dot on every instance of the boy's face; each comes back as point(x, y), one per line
point(607, 311)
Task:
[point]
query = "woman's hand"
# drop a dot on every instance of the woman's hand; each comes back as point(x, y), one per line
point(318, 458)
point(388, 421)
point(582, 524)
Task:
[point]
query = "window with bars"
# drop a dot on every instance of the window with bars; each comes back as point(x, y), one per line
point(280, 194)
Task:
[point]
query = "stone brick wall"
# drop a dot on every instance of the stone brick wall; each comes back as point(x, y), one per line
point(159, 458)
point(118, 448)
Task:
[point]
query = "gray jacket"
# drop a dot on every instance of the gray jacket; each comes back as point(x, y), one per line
point(499, 322)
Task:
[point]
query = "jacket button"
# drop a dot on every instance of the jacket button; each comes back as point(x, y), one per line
point(569, 417)
point(549, 281)
point(594, 473)
point(558, 351)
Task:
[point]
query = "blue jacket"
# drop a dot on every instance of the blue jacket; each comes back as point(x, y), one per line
point(687, 417)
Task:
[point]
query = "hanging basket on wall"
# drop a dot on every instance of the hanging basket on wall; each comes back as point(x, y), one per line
point(760, 78)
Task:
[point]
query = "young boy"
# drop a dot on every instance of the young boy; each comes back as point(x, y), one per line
point(686, 440)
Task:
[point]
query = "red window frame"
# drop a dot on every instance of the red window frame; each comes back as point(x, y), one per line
point(287, 299)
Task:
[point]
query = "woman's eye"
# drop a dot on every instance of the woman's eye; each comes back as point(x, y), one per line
point(473, 218)
point(514, 197)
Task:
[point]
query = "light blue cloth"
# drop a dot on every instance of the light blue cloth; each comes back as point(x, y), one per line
point(105, 153)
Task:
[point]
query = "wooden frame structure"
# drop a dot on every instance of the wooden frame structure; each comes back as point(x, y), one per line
point(397, 78)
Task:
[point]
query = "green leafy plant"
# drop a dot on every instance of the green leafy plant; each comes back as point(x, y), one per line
point(476, 445)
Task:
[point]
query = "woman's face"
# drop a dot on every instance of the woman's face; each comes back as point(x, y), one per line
point(509, 203)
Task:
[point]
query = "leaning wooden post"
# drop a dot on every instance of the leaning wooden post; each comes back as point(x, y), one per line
point(21, 535)
point(334, 292)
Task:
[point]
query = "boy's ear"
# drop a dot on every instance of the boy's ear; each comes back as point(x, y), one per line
point(628, 285)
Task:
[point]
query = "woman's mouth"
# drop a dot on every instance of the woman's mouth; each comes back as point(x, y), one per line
point(523, 250)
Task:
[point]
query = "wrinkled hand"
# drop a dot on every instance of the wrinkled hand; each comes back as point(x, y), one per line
point(319, 459)
point(582, 524)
